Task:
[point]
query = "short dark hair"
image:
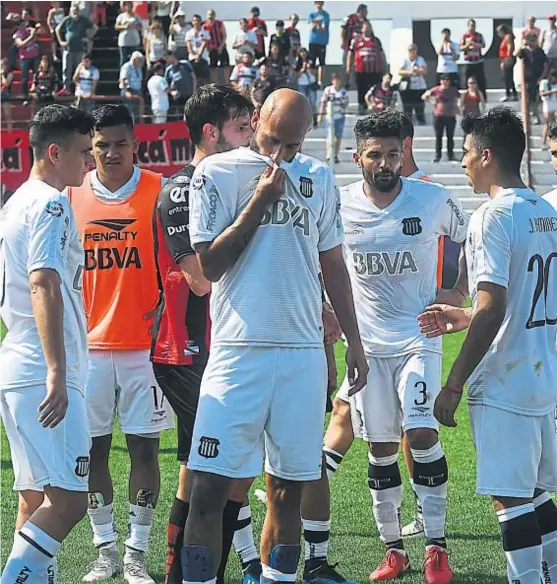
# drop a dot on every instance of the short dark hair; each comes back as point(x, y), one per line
point(109, 116)
point(384, 124)
point(196, 16)
point(87, 56)
point(279, 23)
point(444, 77)
point(56, 124)
point(407, 126)
point(446, 31)
point(552, 131)
point(361, 7)
point(470, 21)
point(214, 104)
point(501, 131)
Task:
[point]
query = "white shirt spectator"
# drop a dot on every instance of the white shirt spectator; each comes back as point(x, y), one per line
point(177, 36)
point(549, 42)
point(549, 102)
point(87, 78)
point(157, 47)
point(243, 75)
point(157, 87)
point(417, 82)
point(241, 36)
point(340, 100)
point(133, 76)
point(129, 37)
point(197, 38)
point(164, 7)
point(445, 61)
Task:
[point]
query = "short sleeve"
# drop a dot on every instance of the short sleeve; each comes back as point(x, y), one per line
point(331, 233)
point(234, 74)
point(492, 246)
point(352, 44)
point(212, 203)
point(96, 75)
point(49, 232)
point(174, 217)
point(450, 218)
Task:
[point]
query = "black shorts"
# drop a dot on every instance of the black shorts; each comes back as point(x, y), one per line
point(180, 385)
point(219, 60)
point(317, 52)
point(532, 92)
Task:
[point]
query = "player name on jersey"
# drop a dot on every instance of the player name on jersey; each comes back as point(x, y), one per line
point(543, 224)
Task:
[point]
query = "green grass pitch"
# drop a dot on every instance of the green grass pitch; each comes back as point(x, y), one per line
point(475, 550)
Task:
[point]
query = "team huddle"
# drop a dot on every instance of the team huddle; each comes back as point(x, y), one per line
point(216, 297)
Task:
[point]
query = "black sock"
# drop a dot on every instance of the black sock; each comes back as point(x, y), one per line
point(229, 519)
point(175, 537)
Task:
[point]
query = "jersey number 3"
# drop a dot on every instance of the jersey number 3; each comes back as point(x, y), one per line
point(542, 269)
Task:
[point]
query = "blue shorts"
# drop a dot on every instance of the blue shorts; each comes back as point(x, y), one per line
point(338, 127)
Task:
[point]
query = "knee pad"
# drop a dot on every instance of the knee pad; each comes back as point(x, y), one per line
point(284, 558)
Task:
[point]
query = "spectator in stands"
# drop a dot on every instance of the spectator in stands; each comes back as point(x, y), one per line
point(530, 28)
point(294, 38)
point(143, 10)
point(7, 80)
point(351, 27)
point(369, 61)
point(507, 61)
point(25, 39)
point(548, 93)
point(99, 13)
point(319, 21)
point(244, 41)
point(44, 85)
point(413, 84)
point(262, 88)
point(446, 98)
point(73, 34)
point(448, 52)
point(177, 35)
point(471, 44)
point(130, 28)
point(158, 90)
point(84, 8)
point(54, 18)
point(182, 82)
point(306, 79)
point(338, 96)
point(245, 73)
point(162, 12)
point(281, 38)
point(259, 26)
point(197, 41)
point(536, 66)
point(383, 96)
point(218, 53)
point(472, 101)
point(155, 43)
point(86, 79)
point(131, 85)
point(278, 70)
point(549, 41)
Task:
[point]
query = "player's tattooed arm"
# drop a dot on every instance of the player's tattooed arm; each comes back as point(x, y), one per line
point(223, 252)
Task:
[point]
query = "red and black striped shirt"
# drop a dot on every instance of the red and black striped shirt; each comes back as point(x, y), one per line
point(472, 54)
point(351, 27)
point(367, 54)
point(258, 23)
point(216, 30)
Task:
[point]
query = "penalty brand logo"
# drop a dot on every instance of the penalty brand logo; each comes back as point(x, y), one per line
point(113, 224)
point(23, 576)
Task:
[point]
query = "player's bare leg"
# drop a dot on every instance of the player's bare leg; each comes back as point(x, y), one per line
point(280, 547)
point(101, 513)
point(416, 527)
point(38, 540)
point(429, 481)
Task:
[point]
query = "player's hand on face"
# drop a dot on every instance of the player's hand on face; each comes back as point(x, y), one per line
point(442, 319)
point(53, 408)
point(356, 363)
point(272, 182)
point(333, 332)
point(446, 405)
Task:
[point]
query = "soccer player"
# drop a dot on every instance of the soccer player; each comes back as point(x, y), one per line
point(263, 220)
point(219, 119)
point(44, 354)
point(114, 212)
point(509, 355)
point(392, 228)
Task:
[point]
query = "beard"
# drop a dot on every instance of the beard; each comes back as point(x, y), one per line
point(383, 182)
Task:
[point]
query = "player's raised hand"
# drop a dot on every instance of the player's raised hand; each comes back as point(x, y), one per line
point(446, 405)
point(272, 182)
point(356, 363)
point(53, 408)
point(442, 319)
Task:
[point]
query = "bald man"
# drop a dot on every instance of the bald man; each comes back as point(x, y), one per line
point(264, 221)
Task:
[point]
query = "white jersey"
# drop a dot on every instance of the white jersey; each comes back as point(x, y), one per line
point(272, 295)
point(392, 260)
point(512, 242)
point(38, 231)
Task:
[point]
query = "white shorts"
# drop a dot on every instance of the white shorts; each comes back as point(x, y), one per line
point(256, 398)
point(549, 107)
point(515, 454)
point(123, 382)
point(399, 396)
point(58, 456)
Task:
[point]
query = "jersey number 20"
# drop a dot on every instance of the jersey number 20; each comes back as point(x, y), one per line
point(542, 269)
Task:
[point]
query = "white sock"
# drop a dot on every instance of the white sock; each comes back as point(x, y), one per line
point(33, 551)
point(140, 524)
point(316, 539)
point(270, 575)
point(50, 574)
point(386, 499)
point(243, 541)
point(546, 513)
point(332, 460)
point(430, 485)
point(102, 524)
point(522, 546)
point(212, 581)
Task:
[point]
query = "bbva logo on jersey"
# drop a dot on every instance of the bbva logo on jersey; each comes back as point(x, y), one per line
point(376, 263)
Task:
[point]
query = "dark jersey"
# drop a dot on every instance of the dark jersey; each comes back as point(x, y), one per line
point(181, 331)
